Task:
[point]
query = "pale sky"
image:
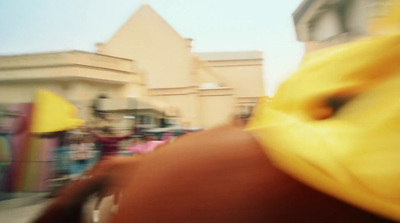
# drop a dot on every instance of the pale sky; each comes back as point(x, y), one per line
point(30, 26)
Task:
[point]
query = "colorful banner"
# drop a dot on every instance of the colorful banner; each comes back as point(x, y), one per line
point(31, 157)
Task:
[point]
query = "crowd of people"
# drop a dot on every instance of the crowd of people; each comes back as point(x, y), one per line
point(81, 148)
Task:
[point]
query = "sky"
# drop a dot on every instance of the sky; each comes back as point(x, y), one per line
point(31, 26)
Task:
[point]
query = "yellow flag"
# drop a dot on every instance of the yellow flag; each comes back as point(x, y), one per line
point(52, 113)
point(335, 124)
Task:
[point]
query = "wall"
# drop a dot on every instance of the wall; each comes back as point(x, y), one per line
point(23, 92)
point(73, 75)
point(162, 54)
point(216, 106)
point(18, 92)
point(203, 72)
point(327, 26)
point(339, 39)
point(244, 76)
point(328, 31)
point(356, 17)
point(185, 99)
point(242, 71)
point(67, 65)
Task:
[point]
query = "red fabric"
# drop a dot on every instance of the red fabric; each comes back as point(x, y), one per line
point(109, 144)
point(220, 175)
point(223, 175)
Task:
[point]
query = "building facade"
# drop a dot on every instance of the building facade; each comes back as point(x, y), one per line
point(145, 59)
point(324, 23)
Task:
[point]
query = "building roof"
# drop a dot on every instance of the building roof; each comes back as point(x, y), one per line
point(301, 9)
point(119, 69)
point(223, 56)
point(147, 9)
point(306, 7)
point(307, 11)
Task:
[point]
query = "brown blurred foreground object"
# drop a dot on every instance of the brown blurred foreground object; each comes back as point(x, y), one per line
point(220, 175)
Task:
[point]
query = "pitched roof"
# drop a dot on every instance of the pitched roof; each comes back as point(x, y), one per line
point(307, 11)
point(301, 10)
point(144, 8)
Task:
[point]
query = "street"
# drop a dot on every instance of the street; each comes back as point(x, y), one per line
point(21, 214)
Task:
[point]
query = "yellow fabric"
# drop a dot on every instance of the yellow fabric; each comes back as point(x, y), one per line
point(390, 22)
point(353, 155)
point(52, 113)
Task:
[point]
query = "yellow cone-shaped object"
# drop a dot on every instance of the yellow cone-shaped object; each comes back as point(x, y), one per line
point(350, 150)
point(52, 113)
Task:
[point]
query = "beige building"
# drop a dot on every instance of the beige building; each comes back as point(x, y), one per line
point(146, 60)
point(324, 23)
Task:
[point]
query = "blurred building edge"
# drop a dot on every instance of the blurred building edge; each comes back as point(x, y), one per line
point(146, 59)
point(324, 23)
point(145, 112)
